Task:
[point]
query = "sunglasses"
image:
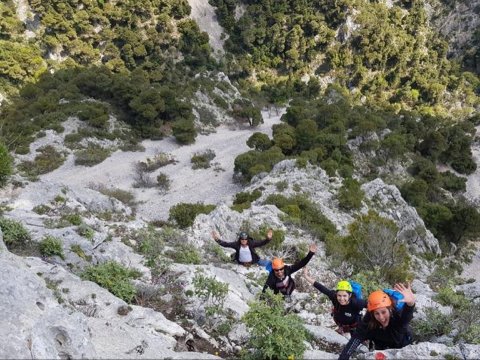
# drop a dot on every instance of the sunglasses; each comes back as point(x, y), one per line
point(278, 269)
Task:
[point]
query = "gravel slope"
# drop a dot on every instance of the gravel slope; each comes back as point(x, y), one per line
point(187, 185)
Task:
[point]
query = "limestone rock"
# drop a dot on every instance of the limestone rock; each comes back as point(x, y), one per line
point(428, 350)
point(388, 202)
point(34, 325)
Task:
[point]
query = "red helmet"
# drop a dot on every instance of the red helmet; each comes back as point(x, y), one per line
point(277, 264)
point(378, 299)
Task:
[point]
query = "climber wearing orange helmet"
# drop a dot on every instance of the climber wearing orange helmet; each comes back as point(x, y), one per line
point(346, 307)
point(245, 248)
point(382, 324)
point(280, 278)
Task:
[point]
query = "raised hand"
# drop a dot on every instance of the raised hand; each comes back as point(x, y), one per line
point(307, 276)
point(269, 234)
point(215, 235)
point(406, 291)
point(312, 248)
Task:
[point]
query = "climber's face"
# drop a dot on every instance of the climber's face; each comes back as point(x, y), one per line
point(343, 297)
point(382, 315)
point(279, 273)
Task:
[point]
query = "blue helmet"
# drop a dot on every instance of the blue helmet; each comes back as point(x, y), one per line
point(243, 235)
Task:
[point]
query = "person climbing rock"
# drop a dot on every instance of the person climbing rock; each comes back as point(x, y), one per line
point(280, 278)
point(347, 307)
point(245, 248)
point(383, 325)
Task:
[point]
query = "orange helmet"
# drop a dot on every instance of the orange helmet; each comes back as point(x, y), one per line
point(277, 264)
point(378, 299)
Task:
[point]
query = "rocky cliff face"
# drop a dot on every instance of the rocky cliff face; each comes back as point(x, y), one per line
point(458, 23)
point(49, 312)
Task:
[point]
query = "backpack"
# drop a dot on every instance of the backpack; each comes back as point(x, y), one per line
point(397, 298)
point(356, 289)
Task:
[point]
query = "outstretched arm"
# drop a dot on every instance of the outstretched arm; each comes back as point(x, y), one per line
point(318, 286)
point(297, 266)
point(216, 237)
point(307, 276)
point(268, 238)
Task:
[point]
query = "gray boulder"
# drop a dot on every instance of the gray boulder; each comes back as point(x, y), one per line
point(388, 202)
point(428, 350)
point(34, 325)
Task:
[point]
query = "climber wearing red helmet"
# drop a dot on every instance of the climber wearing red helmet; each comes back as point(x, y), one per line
point(280, 278)
point(382, 324)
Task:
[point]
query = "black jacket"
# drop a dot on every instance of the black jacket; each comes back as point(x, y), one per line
point(396, 335)
point(274, 283)
point(343, 314)
point(252, 244)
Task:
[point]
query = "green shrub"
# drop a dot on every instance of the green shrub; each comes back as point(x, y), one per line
point(444, 275)
point(274, 333)
point(278, 236)
point(6, 164)
point(142, 178)
point(150, 243)
point(74, 219)
point(206, 116)
point(94, 154)
point(211, 291)
point(42, 209)
point(449, 297)
point(471, 335)
point(350, 195)
point(372, 244)
point(281, 186)
point(309, 215)
point(126, 197)
point(184, 131)
point(435, 324)
point(185, 254)
point(46, 161)
point(86, 231)
point(259, 141)
point(163, 182)
point(467, 320)
point(95, 114)
point(451, 182)
point(370, 279)
point(51, 246)
point(243, 200)
point(158, 161)
point(114, 277)
point(184, 214)
point(202, 160)
point(77, 249)
point(14, 233)
point(255, 162)
point(218, 252)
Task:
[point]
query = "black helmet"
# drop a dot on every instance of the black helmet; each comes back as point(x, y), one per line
point(243, 235)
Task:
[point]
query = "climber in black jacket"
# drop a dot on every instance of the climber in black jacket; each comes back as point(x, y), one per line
point(280, 278)
point(346, 307)
point(245, 248)
point(382, 324)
